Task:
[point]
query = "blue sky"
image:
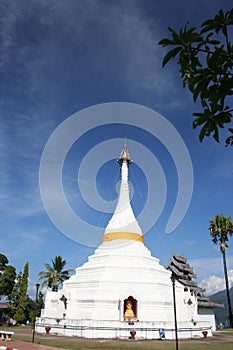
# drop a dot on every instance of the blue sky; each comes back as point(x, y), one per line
point(60, 57)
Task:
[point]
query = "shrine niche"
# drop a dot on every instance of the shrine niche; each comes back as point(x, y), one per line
point(130, 309)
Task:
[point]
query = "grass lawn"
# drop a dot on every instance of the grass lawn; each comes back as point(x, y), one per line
point(221, 340)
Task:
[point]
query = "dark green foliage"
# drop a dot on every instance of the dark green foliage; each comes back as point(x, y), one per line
point(7, 276)
point(13, 299)
point(20, 314)
point(3, 261)
point(55, 275)
point(36, 306)
point(21, 307)
point(205, 60)
point(221, 228)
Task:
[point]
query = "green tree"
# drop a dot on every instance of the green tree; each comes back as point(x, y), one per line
point(3, 261)
point(36, 306)
point(55, 274)
point(32, 309)
point(21, 315)
point(13, 299)
point(14, 302)
point(221, 228)
point(7, 276)
point(205, 59)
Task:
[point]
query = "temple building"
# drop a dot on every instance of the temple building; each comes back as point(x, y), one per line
point(122, 287)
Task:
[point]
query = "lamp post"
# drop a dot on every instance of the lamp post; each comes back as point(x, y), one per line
point(174, 305)
point(34, 320)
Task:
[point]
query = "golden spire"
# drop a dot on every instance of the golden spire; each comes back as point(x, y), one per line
point(124, 156)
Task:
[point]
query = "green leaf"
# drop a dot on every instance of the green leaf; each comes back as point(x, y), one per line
point(202, 133)
point(229, 17)
point(202, 119)
point(165, 42)
point(223, 118)
point(175, 36)
point(205, 60)
point(229, 141)
point(200, 87)
point(206, 130)
point(216, 134)
point(171, 54)
point(214, 42)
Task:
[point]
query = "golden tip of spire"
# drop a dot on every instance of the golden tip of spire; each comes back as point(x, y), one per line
point(125, 155)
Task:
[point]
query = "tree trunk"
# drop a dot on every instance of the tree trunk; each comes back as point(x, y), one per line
point(227, 289)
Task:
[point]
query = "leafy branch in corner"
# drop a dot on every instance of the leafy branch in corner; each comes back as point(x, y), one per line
point(205, 60)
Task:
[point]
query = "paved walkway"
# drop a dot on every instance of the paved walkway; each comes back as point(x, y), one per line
point(22, 345)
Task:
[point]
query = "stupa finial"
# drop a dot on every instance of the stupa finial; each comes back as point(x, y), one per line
point(125, 156)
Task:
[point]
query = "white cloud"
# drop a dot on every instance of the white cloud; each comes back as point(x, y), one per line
point(205, 267)
point(108, 32)
point(214, 284)
point(210, 273)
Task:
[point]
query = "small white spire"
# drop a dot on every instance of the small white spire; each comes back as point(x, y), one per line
point(123, 222)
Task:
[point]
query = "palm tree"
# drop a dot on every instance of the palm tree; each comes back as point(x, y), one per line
point(221, 228)
point(55, 275)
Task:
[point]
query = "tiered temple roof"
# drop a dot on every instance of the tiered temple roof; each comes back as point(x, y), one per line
point(182, 271)
point(205, 302)
point(184, 274)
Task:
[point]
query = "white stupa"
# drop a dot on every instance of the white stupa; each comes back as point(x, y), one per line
point(122, 287)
